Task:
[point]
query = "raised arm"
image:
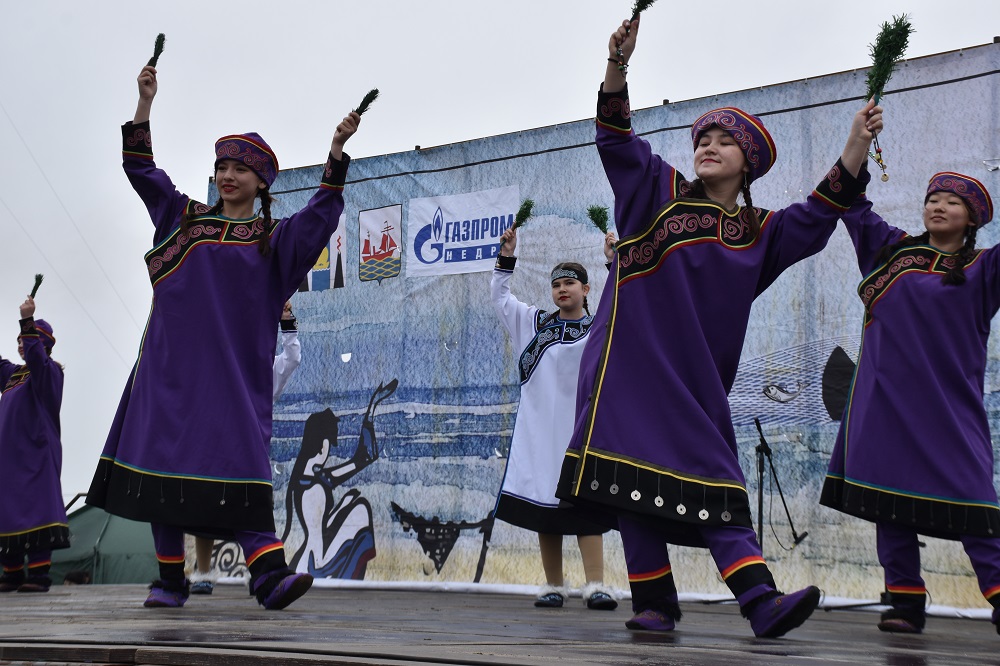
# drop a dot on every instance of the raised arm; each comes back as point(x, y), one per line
point(623, 38)
point(46, 375)
point(164, 203)
point(517, 318)
point(345, 130)
point(301, 237)
point(147, 91)
point(866, 123)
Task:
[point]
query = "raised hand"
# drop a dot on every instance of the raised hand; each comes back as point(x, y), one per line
point(147, 91)
point(28, 308)
point(345, 130)
point(866, 123)
point(609, 245)
point(508, 242)
point(624, 38)
point(147, 83)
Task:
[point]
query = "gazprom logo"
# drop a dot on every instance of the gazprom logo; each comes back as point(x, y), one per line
point(456, 240)
point(437, 224)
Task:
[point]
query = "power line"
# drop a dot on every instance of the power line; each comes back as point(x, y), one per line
point(70, 217)
point(65, 283)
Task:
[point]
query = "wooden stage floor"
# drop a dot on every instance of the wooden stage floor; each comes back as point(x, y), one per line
point(106, 624)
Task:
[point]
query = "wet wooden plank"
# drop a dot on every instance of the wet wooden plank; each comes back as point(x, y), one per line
point(108, 624)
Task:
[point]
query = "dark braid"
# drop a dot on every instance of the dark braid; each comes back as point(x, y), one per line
point(695, 189)
point(586, 307)
point(264, 244)
point(956, 274)
point(751, 212)
point(188, 217)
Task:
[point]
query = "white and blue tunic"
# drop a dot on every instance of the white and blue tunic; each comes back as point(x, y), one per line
point(549, 364)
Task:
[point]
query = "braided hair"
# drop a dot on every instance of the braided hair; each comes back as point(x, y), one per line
point(956, 272)
point(695, 189)
point(264, 244)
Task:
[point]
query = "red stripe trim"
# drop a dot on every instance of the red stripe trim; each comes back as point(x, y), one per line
point(263, 551)
point(993, 591)
point(906, 590)
point(615, 128)
point(170, 559)
point(652, 575)
point(740, 564)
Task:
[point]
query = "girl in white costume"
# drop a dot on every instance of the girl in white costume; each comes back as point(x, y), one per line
point(549, 345)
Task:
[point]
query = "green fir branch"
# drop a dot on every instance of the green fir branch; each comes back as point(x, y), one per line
point(640, 6)
point(38, 283)
point(888, 49)
point(523, 213)
point(367, 101)
point(599, 216)
point(157, 49)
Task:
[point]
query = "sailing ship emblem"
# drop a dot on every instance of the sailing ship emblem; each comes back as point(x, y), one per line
point(380, 255)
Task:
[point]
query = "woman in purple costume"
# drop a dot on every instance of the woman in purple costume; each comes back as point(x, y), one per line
point(188, 448)
point(914, 454)
point(654, 440)
point(32, 517)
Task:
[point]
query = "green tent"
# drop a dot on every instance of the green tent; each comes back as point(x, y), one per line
point(114, 550)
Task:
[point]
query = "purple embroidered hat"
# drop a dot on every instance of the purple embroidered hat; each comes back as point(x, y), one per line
point(755, 141)
point(250, 149)
point(969, 189)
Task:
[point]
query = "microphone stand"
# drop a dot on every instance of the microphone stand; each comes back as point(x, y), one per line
point(764, 450)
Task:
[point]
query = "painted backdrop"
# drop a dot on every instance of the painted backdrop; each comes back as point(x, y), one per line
point(390, 440)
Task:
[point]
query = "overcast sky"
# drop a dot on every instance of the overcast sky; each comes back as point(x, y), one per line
point(448, 71)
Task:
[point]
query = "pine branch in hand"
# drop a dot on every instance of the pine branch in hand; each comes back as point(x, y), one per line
point(523, 213)
point(599, 216)
point(367, 101)
point(888, 49)
point(161, 39)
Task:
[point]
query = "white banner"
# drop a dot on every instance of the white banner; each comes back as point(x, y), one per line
point(459, 233)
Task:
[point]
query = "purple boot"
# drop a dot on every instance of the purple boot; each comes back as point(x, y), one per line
point(660, 618)
point(35, 584)
point(167, 594)
point(775, 614)
point(277, 589)
point(11, 581)
point(903, 619)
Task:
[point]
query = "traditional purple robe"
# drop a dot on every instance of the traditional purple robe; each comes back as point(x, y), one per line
point(32, 516)
point(189, 444)
point(914, 445)
point(654, 434)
